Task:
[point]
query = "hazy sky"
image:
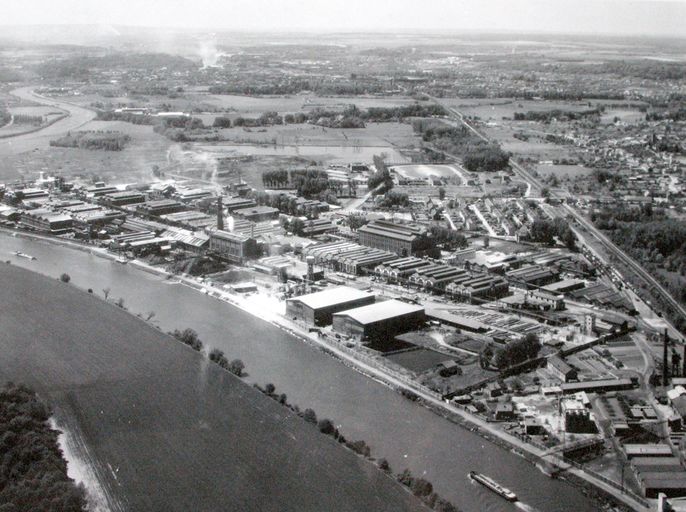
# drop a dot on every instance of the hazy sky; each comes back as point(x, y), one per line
point(667, 17)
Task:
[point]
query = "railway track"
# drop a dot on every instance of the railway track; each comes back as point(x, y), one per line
point(609, 246)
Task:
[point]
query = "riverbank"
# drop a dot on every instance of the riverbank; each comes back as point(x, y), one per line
point(332, 348)
point(170, 429)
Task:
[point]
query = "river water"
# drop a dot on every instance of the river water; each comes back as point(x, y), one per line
point(401, 431)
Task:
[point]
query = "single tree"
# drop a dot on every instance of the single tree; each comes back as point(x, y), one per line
point(65, 278)
point(310, 416)
point(236, 367)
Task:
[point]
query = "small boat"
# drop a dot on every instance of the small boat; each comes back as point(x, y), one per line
point(24, 255)
point(493, 486)
point(122, 260)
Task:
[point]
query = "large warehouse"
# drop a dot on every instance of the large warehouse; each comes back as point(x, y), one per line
point(379, 321)
point(318, 308)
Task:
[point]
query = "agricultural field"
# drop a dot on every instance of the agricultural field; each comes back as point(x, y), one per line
point(495, 109)
point(161, 426)
point(134, 162)
point(563, 171)
point(248, 106)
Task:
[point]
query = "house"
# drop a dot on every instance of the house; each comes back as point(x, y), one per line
point(504, 412)
point(561, 369)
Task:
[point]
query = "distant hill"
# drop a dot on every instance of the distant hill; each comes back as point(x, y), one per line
point(166, 429)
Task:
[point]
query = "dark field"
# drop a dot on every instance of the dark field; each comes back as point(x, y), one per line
point(419, 360)
point(166, 429)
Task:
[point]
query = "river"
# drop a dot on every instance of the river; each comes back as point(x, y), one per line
point(78, 116)
point(403, 432)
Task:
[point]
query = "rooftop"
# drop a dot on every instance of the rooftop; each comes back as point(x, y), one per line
point(380, 311)
point(331, 297)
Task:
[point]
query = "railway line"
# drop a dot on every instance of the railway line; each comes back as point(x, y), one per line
point(609, 246)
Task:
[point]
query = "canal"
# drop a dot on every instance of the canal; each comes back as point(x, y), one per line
point(397, 429)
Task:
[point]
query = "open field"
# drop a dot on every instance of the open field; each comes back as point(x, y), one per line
point(167, 430)
point(373, 134)
point(134, 162)
point(494, 109)
point(418, 361)
point(250, 106)
point(561, 171)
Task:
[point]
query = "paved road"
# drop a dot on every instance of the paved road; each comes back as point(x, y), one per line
point(77, 117)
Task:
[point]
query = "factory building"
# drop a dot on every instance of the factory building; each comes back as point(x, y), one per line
point(560, 369)
point(348, 257)
point(319, 308)
point(533, 276)
point(483, 287)
point(380, 321)
point(400, 268)
point(577, 419)
point(47, 221)
point(233, 247)
point(402, 239)
point(117, 199)
point(160, 207)
point(257, 213)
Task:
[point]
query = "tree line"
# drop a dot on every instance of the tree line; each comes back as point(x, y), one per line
point(560, 115)
point(33, 471)
point(419, 487)
point(190, 337)
point(93, 140)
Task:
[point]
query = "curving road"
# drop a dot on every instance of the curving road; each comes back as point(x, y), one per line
point(21, 143)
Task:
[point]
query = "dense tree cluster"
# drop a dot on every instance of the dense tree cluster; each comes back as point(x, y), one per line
point(477, 155)
point(127, 117)
point(310, 183)
point(649, 236)
point(5, 117)
point(295, 86)
point(356, 221)
point(424, 490)
point(392, 199)
point(28, 119)
point(276, 179)
point(287, 204)
point(350, 117)
point(485, 157)
point(221, 122)
point(545, 231)
point(546, 116)
point(518, 351)
point(399, 114)
point(94, 140)
point(380, 181)
point(188, 337)
point(33, 473)
point(177, 128)
point(450, 238)
point(81, 67)
point(675, 114)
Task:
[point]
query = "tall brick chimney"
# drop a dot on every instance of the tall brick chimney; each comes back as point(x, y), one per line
point(220, 214)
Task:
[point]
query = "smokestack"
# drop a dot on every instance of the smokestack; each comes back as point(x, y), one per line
point(665, 368)
point(220, 214)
